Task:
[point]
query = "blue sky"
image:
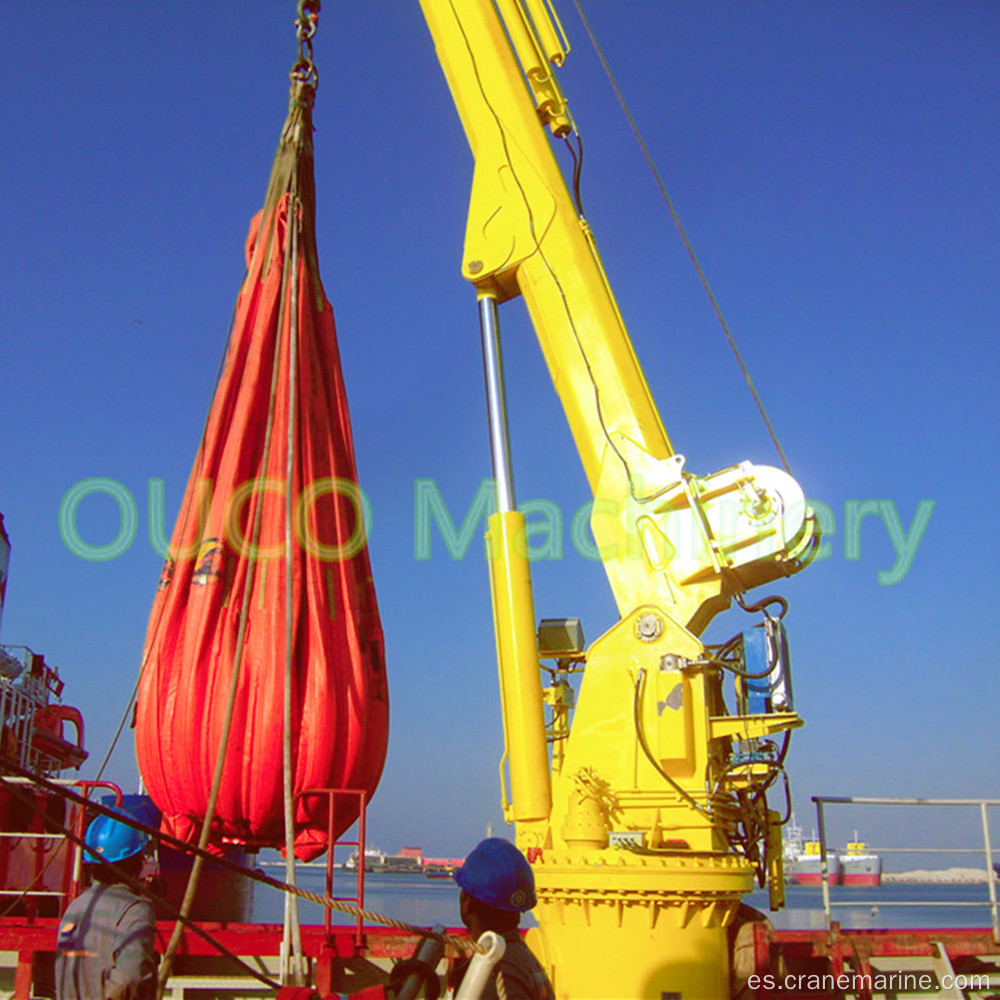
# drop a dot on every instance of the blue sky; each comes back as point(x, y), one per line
point(835, 166)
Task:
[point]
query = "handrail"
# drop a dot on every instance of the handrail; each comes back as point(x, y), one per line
point(70, 865)
point(986, 849)
point(330, 794)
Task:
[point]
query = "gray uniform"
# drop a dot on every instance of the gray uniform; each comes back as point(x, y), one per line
point(523, 976)
point(106, 946)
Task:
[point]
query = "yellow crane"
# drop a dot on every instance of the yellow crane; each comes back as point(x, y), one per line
point(638, 795)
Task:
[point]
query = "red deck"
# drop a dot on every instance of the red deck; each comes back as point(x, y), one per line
point(788, 962)
point(806, 955)
point(334, 956)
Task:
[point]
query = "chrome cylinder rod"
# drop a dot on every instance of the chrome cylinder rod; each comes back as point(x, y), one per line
point(496, 402)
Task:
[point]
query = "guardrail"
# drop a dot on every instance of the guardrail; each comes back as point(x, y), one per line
point(46, 849)
point(358, 899)
point(986, 850)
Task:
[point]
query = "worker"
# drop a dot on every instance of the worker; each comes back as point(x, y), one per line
point(497, 887)
point(106, 938)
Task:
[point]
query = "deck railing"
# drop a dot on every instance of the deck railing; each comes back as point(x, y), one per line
point(21, 696)
point(986, 851)
point(358, 899)
point(48, 849)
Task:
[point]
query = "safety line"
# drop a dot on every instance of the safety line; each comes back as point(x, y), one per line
point(684, 237)
point(270, 216)
point(141, 889)
point(121, 727)
point(183, 520)
point(462, 943)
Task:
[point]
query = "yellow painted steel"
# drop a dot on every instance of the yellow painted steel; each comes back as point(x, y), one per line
point(536, 43)
point(517, 656)
point(631, 826)
point(775, 864)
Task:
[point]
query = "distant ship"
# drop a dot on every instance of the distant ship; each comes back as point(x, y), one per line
point(803, 862)
point(379, 862)
point(409, 861)
point(859, 866)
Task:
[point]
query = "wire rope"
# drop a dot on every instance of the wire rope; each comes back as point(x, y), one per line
point(688, 246)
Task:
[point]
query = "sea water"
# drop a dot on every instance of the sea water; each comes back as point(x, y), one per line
point(881, 907)
point(414, 899)
point(424, 902)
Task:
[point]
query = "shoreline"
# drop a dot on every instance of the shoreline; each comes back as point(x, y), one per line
point(943, 876)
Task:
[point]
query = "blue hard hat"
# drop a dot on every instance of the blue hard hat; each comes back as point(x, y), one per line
point(113, 840)
point(498, 874)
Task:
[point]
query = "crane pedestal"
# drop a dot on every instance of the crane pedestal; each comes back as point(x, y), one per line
point(613, 923)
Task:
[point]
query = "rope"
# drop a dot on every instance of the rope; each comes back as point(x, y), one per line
point(195, 873)
point(292, 930)
point(206, 827)
point(294, 147)
point(303, 88)
point(341, 906)
point(26, 892)
point(121, 727)
point(684, 237)
point(304, 77)
point(136, 886)
point(184, 517)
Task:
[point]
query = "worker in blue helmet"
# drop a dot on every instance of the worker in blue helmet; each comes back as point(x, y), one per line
point(497, 887)
point(106, 946)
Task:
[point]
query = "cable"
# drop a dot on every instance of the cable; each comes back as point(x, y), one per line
point(143, 890)
point(684, 237)
point(778, 767)
point(121, 726)
point(784, 748)
point(788, 801)
point(749, 675)
point(599, 410)
point(684, 794)
point(577, 155)
point(270, 217)
point(763, 604)
point(731, 667)
point(467, 944)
